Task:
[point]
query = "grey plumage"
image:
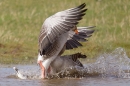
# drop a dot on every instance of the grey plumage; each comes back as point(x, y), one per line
point(62, 62)
point(57, 24)
point(74, 39)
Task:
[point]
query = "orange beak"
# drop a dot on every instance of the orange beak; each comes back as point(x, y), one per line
point(76, 31)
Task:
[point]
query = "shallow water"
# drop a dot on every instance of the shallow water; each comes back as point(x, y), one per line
point(110, 69)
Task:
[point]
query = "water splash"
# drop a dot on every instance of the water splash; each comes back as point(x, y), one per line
point(28, 73)
point(114, 64)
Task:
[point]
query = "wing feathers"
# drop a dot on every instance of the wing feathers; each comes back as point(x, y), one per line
point(75, 57)
point(58, 24)
point(74, 39)
point(78, 8)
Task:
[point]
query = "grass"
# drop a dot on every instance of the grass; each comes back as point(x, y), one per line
point(21, 21)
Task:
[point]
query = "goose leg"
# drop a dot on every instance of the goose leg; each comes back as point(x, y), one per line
point(42, 69)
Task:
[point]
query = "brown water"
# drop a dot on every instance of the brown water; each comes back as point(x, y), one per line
point(109, 70)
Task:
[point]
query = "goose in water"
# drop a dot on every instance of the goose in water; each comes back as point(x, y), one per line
point(59, 32)
point(59, 64)
point(66, 61)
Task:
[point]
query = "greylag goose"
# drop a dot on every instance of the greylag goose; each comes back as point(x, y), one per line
point(59, 64)
point(59, 32)
point(66, 61)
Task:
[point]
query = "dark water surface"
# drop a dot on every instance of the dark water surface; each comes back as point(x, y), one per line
point(111, 70)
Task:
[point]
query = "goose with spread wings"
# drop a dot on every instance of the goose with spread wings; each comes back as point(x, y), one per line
point(59, 32)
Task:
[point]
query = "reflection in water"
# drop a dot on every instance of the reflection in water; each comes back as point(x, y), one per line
point(61, 82)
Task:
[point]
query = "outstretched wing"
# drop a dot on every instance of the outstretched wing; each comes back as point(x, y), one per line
point(58, 24)
point(74, 39)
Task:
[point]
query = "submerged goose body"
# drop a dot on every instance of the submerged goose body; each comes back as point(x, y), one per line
point(58, 33)
point(66, 61)
point(59, 64)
